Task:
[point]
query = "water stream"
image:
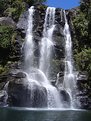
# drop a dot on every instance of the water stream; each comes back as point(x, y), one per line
point(29, 44)
point(40, 76)
point(47, 40)
point(69, 82)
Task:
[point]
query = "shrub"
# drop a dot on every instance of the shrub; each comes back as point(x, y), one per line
point(6, 33)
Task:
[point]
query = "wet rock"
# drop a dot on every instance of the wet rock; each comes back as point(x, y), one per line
point(20, 75)
point(3, 98)
point(65, 98)
point(7, 21)
point(84, 88)
point(24, 94)
point(82, 76)
point(60, 78)
point(22, 23)
point(53, 82)
point(3, 77)
point(40, 97)
point(60, 17)
point(16, 74)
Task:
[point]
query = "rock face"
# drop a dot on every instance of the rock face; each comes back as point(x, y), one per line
point(84, 89)
point(3, 98)
point(7, 21)
point(65, 98)
point(24, 94)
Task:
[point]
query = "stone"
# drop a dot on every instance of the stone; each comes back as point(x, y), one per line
point(20, 75)
point(3, 78)
point(7, 21)
point(22, 23)
point(16, 74)
point(84, 89)
point(23, 94)
point(3, 98)
point(82, 76)
point(60, 78)
point(65, 98)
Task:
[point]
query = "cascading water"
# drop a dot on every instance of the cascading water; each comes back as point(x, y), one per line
point(29, 44)
point(46, 52)
point(46, 42)
point(35, 76)
point(69, 82)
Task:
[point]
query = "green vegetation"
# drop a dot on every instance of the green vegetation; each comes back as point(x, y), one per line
point(2, 69)
point(14, 8)
point(81, 30)
point(6, 34)
point(82, 38)
point(83, 60)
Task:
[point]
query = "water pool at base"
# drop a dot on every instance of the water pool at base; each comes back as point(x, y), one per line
point(26, 114)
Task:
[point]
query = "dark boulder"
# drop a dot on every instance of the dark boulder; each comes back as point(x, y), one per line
point(16, 75)
point(20, 75)
point(3, 98)
point(65, 98)
point(22, 93)
point(84, 88)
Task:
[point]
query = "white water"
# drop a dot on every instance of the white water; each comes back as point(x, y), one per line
point(29, 44)
point(69, 82)
point(47, 40)
point(37, 76)
point(46, 53)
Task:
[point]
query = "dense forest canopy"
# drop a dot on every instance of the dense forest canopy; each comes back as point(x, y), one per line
point(14, 8)
point(82, 38)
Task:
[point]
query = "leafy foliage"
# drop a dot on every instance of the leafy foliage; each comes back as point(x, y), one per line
point(14, 8)
point(83, 60)
point(6, 33)
point(81, 30)
point(85, 6)
point(82, 38)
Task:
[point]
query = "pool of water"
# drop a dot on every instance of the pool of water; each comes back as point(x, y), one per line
point(26, 114)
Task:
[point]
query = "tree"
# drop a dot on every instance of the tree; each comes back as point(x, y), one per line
point(15, 7)
point(82, 25)
point(85, 6)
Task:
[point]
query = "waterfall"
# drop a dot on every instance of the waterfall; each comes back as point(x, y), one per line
point(29, 44)
point(46, 53)
point(47, 42)
point(37, 77)
point(69, 82)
